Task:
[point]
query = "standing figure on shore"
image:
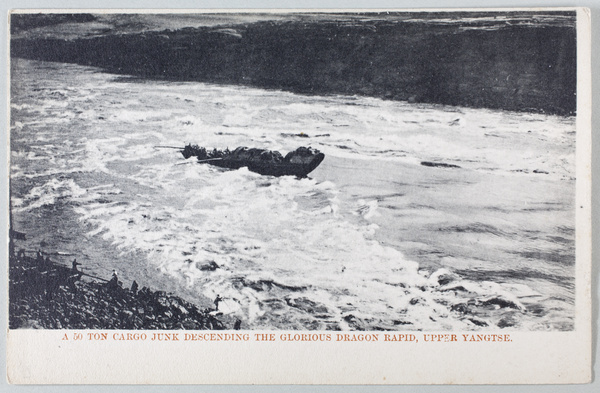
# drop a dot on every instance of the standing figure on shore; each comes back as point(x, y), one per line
point(39, 258)
point(217, 301)
point(114, 281)
point(76, 274)
point(75, 263)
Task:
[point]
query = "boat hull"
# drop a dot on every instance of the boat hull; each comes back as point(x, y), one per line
point(298, 163)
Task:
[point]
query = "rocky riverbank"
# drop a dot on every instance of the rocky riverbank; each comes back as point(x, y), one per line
point(46, 295)
point(524, 61)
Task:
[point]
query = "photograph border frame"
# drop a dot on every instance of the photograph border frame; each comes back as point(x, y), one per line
point(581, 215)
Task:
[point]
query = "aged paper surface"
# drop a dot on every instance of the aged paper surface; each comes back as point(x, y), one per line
point(435, 230)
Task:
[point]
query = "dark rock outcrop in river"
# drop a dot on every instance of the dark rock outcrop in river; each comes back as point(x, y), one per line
point(439, 164)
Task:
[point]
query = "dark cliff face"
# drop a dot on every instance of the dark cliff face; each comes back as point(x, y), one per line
point(25, 22)
point(525, 67)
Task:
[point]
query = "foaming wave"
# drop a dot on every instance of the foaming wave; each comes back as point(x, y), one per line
point(48, 194)
point(287, 253)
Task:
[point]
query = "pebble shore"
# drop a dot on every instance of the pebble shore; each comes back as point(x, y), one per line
point(46, 295)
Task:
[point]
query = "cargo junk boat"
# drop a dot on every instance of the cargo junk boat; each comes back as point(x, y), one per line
point(298, 163)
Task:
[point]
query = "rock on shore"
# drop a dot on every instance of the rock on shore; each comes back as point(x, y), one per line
point(44, 295)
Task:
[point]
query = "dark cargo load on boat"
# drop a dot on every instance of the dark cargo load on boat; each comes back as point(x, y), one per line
point(299, 162)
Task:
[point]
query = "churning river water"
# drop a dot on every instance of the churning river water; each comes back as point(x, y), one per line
point(371, 240)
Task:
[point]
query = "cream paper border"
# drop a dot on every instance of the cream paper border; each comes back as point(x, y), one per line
point(43, 357)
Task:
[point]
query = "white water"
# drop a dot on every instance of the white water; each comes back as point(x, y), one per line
point(359, 244)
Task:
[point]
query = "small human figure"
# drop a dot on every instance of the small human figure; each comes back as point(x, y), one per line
point(218, 299)
point(75, 273)
point(71, 282)
point(75, 263)
point(237, 325)
point(39, 257)
point(114, 281)
point(134, 287)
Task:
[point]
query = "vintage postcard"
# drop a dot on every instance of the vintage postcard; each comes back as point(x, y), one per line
point(299, 197)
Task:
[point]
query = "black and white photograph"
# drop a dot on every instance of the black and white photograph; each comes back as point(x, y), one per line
point(293, 171)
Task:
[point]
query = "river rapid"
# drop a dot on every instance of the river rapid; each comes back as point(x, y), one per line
point(370, 240)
